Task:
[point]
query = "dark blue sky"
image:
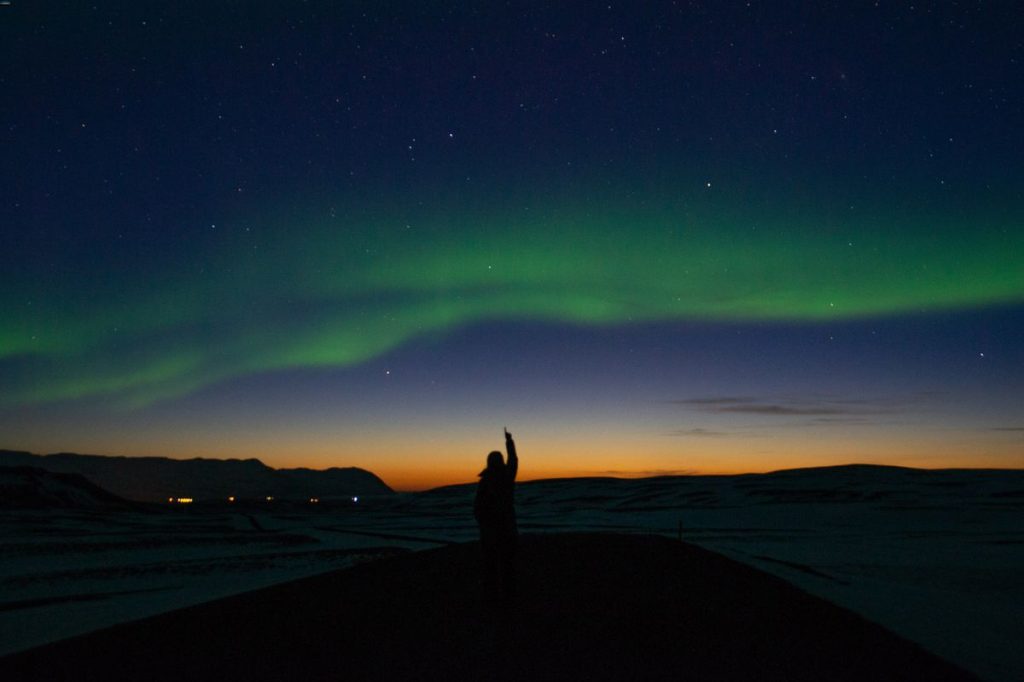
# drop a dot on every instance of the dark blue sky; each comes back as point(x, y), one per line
point(676, 237)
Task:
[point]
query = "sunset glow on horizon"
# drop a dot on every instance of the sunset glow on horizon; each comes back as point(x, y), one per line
point(412, 466)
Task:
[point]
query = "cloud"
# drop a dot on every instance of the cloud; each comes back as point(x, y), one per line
point(822, 409)
point(839, 421)
point(781, 410)
point(714, 401)
point(698, 433)
point(1009, 429)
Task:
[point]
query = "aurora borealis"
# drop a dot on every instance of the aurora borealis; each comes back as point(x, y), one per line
point(372, 235)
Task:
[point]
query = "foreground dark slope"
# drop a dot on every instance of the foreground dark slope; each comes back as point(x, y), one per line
point(593, 606)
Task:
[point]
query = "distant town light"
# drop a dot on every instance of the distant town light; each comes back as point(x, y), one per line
point(231, 498)
point(180, 500)
point(355, 499)
point(314, 500)
point(270, 498)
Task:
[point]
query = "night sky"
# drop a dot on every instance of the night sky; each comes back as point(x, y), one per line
point(692, 237)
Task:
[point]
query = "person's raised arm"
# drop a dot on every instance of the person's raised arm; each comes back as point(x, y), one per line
point(510, 451)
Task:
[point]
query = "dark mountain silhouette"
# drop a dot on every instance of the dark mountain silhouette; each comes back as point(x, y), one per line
point(25, 487)
point(154, 479)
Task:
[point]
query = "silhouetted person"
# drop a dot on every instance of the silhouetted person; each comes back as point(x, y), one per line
point(495, 513)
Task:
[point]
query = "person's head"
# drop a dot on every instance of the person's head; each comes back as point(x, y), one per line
point(495, 460)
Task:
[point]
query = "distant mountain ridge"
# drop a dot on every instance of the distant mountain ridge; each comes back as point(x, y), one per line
point(154, 479)
point(24, 487)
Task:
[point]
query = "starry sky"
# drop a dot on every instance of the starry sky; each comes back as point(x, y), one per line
point(683, 237)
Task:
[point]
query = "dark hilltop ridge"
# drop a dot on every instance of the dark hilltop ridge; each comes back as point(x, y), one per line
point(25, 487)
point(155, 479)
point(592, 606)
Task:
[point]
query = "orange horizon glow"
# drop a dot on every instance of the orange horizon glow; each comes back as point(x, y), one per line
point(454, 461)
point(411, 482)
point(409, 466)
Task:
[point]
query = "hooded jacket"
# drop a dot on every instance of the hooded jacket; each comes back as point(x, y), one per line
point(494, 506)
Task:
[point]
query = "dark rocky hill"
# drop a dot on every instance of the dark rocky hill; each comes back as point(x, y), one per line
point(154, 479)
point(24, 487)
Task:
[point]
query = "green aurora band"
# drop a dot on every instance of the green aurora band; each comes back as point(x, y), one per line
point(343, 287)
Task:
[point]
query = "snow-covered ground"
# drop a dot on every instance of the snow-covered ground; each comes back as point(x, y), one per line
point(934, 556)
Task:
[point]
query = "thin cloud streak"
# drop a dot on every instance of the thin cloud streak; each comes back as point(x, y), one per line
point(824, 409)
point(698, 433)
point(780, 410)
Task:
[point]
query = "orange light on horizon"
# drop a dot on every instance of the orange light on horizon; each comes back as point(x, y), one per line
point(567, 452)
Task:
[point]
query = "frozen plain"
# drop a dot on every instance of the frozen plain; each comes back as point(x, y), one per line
point(936, 556)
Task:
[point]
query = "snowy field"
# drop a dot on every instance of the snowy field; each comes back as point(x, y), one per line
point(934, 556)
